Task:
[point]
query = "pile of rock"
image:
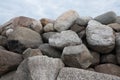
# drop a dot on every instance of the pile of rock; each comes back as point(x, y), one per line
point(68, 48)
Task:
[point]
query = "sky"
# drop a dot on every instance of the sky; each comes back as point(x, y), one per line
point(38, 9)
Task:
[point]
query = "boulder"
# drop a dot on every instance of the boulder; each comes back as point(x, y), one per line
point(23, 21)
point(50, 51)
point(96, 58)
point(118, 19)
point(31, 52)
point(22, 38)
point(77, 28)
point(108, 69)
point(49, 27)
point(9, 61)
point(66, 20)
point(47, 35)
point(100, 37)
point(65, 38)
point(106, 18)
point(115, 26)
point(83, 21)
point(80, 74)
point(77, 56)
point(109, 58)
point(118, 47)
point(45, 21)
point(8, 76)
point(39, 68)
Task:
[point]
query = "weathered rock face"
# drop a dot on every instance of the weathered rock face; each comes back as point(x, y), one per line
point(22, 21)
point(39, 68)
point(63, 39)
point(24, 37)
point(106, 18)
point(49, 51)
point(66, 20)
point(83, 21)
point(8, 76)
point(77, 56)
point(3, 40)
point(100, 37)
point(115, 27)
point(9, 61)
point(79, 74)
point(109, 58)
point(118, 47)
point(47, 35)
point(109, 69)
point(31, 52)
point(49, 27)
point(77, 28)
point(118, 19)
point(45, 21)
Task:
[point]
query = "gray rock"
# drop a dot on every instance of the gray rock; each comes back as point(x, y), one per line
point(3, 40)
point(106, 18)
point(50, 51)
point(115, 26)
point(96, 58)
point(23, 38)
point(118, 19)
point(77, 56)
point(8, 76)
point(47, 35)
point(108, 69)
point(109, 58)
point(118, 47)
point(82, 34)
point(49, 27)
point(39, 68)
point(79, 74)
point(9, 61)
point(100, 37)
point(83, 21)
point(77, 28)
point(65, 38)
point(66, 20)
point(31, 52)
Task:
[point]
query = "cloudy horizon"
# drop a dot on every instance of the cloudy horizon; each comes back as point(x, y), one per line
point(52, 9)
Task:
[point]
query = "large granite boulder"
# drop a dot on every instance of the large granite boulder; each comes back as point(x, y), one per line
point(100, 37)
point(39, 68)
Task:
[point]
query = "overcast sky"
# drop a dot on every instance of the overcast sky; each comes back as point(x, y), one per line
point(53, 8)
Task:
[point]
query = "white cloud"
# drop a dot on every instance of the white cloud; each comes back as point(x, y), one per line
point(53, 8)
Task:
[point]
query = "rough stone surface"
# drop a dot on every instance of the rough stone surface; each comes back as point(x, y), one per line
point(82, 34)
point(109, 58)
point(108, 69)
point(96, 58)
point(79, 74)
point(50, 51)
point(118, 19)
point(9, 61)
point(47, 35)
point(45, 21)
point(106, 18)
point(39, 68)
point(22, 21)
point(77, 56)
point(83, 21)
point(3, 40)
point(100, 37)
point(118, 47)
point(77, 28)
point(65, 38)
point(49, 27)
point(66, 20)
point(25, 37)
point(8, 76)
point(31, 52)
point(115, 26)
